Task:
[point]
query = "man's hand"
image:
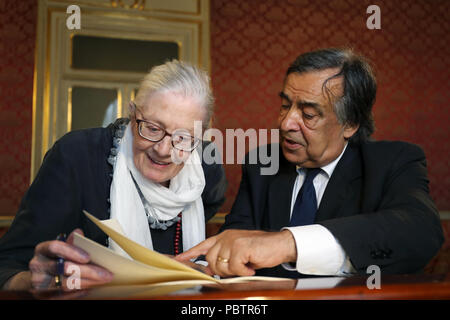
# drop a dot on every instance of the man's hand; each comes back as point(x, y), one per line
point(241, 252)
point(42, 267)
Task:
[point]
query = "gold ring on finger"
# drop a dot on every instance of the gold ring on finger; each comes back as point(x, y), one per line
point(58, 281)
point(220, 259)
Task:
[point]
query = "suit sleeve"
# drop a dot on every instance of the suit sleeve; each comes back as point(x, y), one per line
point(403, 232)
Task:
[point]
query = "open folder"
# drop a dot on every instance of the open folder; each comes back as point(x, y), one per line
point(145, 266)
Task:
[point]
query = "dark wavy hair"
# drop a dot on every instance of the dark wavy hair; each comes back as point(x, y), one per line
point(354, 107)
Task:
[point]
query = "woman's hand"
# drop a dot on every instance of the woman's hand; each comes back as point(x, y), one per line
point(43, 267)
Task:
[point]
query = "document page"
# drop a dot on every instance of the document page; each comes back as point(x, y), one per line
point(147, 266)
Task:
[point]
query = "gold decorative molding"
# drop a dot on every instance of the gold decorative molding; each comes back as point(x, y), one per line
point(164, 6)
point(444, 215)
point(6, 221)
point(218, 218)
point(133, 4)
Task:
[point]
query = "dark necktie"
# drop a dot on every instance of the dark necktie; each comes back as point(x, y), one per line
point(305, 206)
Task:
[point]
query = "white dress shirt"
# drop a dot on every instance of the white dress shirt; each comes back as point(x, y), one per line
point(318, 251)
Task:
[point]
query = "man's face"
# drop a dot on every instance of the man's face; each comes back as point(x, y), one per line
point(311, 135)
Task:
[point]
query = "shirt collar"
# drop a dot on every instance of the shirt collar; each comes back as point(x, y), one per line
point(329, 168)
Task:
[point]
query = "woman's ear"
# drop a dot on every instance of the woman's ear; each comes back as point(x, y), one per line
point(132, 110)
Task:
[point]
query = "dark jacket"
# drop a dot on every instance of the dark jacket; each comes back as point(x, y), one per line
point(376, 204)
point(76, 175)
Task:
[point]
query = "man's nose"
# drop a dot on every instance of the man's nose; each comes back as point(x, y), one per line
point(291, 120)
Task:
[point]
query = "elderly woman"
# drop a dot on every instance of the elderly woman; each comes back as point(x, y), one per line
point(144, 171)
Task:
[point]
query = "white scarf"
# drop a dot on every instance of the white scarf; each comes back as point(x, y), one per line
point(183, 195)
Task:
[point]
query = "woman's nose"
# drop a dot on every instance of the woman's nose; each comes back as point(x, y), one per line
point(163, 147)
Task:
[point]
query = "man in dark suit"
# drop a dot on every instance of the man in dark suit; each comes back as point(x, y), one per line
point(341, 201)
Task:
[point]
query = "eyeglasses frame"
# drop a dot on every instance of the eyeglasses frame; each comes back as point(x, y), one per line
point(166, 133)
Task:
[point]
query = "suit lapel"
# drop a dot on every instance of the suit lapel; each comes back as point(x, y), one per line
point(339, 186)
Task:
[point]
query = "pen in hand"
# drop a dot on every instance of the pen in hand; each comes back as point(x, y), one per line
point(59, 263)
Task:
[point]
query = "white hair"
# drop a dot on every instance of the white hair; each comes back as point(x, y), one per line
point(179, 77)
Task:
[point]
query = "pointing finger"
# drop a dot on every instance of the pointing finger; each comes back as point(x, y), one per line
point(200, 249)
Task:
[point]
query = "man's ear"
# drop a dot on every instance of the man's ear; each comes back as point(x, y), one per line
point(350, 130)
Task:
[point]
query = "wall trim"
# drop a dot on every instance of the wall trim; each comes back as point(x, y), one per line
point(6, 221)
point(445, 215)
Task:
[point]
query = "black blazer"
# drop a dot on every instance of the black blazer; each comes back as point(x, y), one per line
point(376, 204)
point(76, 175)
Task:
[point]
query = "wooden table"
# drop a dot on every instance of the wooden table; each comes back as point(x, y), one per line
point(402, 287)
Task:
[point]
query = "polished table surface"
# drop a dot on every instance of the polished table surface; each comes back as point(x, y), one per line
point(402, 287)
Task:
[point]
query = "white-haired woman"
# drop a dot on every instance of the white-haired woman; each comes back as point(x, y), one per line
point(143, 171)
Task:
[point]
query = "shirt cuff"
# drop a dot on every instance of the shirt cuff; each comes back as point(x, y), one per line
point(318, 252)
point(202, 262)
point(318, 283)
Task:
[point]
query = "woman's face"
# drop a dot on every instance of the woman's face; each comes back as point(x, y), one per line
point(170, 111)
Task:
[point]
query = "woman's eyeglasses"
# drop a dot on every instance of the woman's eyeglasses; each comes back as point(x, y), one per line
point(181, 139)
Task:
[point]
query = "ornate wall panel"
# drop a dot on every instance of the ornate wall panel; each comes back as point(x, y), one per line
point(252, 43)
point(17, 44)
